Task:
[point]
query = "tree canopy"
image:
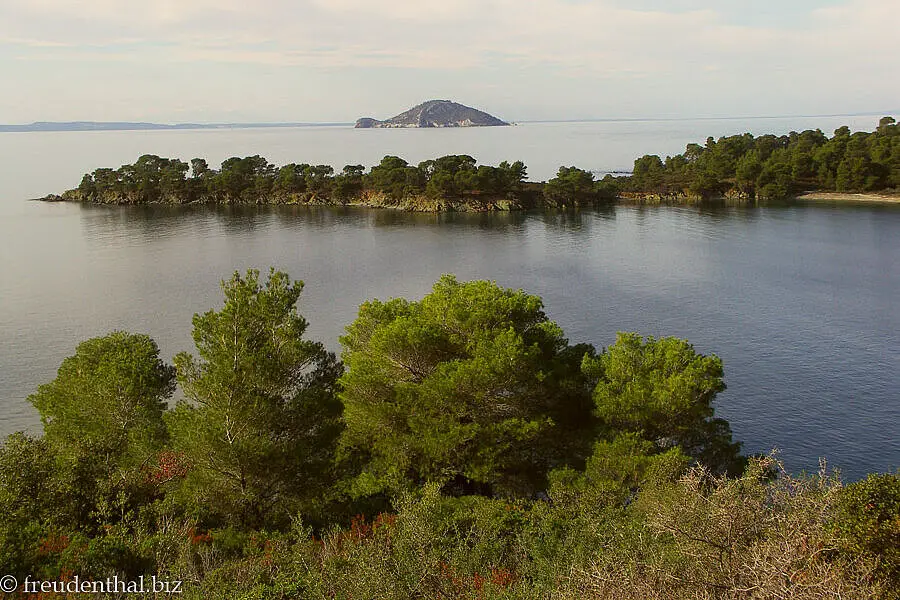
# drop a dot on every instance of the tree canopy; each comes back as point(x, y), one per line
point(259, 420)
point(110, 394)
point(664, 391)
point(253, 180)
point(773, 167)
point(468, 387)
point(576, 187)
point(505, 461)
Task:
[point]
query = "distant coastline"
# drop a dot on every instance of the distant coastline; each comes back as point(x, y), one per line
point(51, 126)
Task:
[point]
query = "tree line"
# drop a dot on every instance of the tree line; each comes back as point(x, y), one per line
point(773, 167)
point(461, 447)
point(741, 167)
point(254, 180)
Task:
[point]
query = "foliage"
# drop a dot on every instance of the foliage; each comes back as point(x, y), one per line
point(868, 519)
point(109, 396)
point(695, 536)
point(253, 180)
point(571, 185)
point(614, 473)
point(479, 469)
point(29, 500)
point(261, 419)
point(469, 387)
point(396, 178)
point(747, 537)
point(663, 390)
point(775, 167)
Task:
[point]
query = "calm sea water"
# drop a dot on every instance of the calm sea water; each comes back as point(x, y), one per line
point(800, 302)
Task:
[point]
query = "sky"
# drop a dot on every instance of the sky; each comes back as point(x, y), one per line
point(208, 61)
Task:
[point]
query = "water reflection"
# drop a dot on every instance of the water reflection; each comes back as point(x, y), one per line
point(573, 219)
point(798, 301)
point(162, 220)
point(720, 214)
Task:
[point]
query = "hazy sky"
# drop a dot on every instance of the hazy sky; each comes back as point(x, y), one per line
point(336, 60)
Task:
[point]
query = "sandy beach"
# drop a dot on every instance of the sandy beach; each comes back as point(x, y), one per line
point(844, 197)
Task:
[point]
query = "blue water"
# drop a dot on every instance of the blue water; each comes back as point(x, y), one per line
point(800, 302)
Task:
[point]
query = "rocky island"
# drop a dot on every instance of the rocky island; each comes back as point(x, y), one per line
point(435, 113)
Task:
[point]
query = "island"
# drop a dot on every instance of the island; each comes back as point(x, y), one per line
point(740, 169)
point(435, 113)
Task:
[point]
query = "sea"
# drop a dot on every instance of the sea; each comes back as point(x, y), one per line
point(801, 301)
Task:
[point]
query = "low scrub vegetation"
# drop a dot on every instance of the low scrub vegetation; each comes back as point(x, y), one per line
point(461, 448)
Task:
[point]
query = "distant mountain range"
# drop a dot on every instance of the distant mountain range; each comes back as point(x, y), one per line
point(436, 113)
point(125, 126)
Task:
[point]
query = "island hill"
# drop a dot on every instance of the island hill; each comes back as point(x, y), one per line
point(738, 169)
point(435, 113)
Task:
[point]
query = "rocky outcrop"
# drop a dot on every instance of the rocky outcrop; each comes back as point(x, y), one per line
point(436, 113)
point(731, 197)
point(366, 122)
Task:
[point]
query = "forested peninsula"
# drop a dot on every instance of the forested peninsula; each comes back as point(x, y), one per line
point(461, 448)
point(739, 169)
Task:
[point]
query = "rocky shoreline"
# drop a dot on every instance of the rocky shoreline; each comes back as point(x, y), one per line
point(527, 199)
point(417, 203)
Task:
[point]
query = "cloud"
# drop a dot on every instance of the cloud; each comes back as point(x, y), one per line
point(443, 34)
point(494, 40)
point(410, 10)
point(122, 11)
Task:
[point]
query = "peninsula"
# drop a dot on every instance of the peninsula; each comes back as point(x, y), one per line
point(740, 169)
point(435, 113)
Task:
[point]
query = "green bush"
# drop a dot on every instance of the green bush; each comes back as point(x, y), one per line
point(506, 463)
point(868, 519)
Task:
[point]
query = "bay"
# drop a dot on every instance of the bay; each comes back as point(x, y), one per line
point(800, 301)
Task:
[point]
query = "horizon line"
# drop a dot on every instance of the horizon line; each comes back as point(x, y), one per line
point(83, 126)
